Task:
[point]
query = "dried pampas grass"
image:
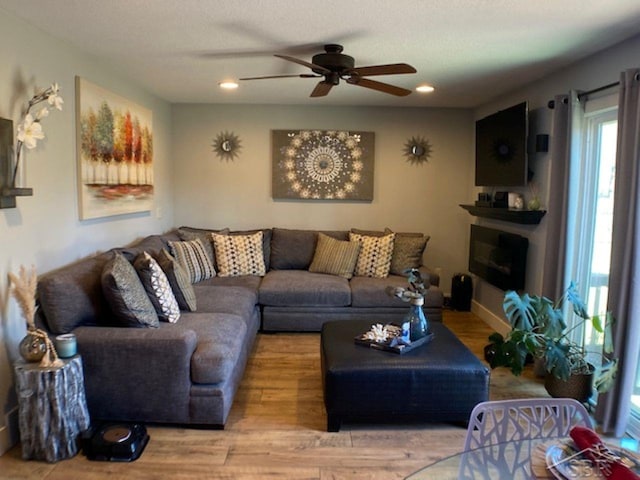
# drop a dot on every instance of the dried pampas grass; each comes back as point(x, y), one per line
point(24, 291)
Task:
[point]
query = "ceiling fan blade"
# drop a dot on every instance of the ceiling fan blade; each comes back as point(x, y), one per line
point(379, 86)
point(301, 75)
point(391, 69)
point(322, 89)
point(312, 66)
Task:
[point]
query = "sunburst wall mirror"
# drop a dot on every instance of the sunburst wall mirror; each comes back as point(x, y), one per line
point(226, 145)
point(417, 150)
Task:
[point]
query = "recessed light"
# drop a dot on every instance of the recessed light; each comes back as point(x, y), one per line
point(424, 88)
point(228, 85)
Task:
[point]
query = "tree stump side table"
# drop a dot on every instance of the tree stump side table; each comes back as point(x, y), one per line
point(52, 409)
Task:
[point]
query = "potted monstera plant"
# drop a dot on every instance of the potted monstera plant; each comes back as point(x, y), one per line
point(539, 329)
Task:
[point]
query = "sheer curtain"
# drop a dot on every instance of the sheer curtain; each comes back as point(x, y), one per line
point(567, 116)
point(624, 282)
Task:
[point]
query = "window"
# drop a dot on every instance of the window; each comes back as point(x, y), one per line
point(592, 197)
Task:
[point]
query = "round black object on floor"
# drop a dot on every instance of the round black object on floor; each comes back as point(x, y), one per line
point(115, 442)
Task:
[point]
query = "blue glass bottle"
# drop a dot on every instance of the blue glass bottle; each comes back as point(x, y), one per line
point(418, 325)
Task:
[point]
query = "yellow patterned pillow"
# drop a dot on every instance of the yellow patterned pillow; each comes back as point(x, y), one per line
point(238, 255)
point(375, 255)
point(335, 257)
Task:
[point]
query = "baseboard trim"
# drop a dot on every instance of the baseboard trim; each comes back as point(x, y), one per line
point(9, 435)
point(490, 318)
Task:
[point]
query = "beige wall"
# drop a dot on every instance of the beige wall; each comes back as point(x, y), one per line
point(210, 192)
point(44, 229)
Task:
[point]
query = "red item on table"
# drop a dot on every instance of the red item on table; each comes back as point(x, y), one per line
point(604, 459)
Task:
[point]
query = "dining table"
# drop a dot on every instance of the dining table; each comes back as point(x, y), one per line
point(523, 460)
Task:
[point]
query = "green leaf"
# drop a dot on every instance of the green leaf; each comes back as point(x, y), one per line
point(597, 324)
point(557, 361)
point(579, 307)
point(606, 376)
point(519, 310)
point(608, 333)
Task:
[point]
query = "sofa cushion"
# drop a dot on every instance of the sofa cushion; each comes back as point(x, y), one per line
point(239, 255)
point(370, 292)
point(374, 259)
point(294, 249)
point(302, 288)
point(246, 281)
point(192, 256)
point(157, 286)
point(220, 340)
point(335, 257)
point(190, 233)
point(179, 281)
point(151, 243)
point(125, 294)
point(407, 253)
point(72, 295)
point(220, 299)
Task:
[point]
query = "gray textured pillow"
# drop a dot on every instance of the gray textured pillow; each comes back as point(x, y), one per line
point(157, 286)
point(179, 281)
point(407, 253)
point(335, 257)
point(125, 294)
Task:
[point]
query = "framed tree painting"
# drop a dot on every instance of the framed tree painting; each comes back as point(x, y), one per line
point(114, 153)
point(322, 165)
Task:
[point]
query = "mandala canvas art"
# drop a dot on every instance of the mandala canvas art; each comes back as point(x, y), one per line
point(322, 164)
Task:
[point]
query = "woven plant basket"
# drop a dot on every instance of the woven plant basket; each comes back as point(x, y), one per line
point(579, 386)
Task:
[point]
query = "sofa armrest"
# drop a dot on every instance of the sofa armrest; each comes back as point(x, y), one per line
point(137, 373)
point(429, 276)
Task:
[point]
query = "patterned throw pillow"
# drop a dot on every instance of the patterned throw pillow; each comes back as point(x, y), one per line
point(179, 281)
point(157, 286)
point(335, 257)
point(125, 294)
point(374, 259)
point(192, 256)
point(407, 252)
point(239, 254)
point(191, 233)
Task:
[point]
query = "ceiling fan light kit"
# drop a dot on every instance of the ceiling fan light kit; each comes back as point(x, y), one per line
point(334, 66)
point(424, 88)
point(228, 85)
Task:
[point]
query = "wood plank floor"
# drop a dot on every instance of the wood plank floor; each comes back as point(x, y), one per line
point(276, 429)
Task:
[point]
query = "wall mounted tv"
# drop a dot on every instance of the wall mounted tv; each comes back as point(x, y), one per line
point(501, 148)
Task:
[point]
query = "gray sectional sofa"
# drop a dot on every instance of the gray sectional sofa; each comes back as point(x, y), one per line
point(188, 372)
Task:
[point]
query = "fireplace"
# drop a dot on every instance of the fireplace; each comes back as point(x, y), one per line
point(498, 257)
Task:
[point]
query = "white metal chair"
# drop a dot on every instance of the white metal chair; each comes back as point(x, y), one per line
point(501, 421)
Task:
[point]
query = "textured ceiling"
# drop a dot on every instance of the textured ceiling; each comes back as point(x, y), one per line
point(470, 50)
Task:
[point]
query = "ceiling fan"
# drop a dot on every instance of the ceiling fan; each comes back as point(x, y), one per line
point(334, 65)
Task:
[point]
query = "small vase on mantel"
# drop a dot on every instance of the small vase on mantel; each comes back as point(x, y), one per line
point(32, 347)
point(418, 325)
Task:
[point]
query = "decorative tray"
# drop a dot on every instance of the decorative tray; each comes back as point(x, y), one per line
point(393, 343)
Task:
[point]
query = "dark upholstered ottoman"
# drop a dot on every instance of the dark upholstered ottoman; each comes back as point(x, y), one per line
point(438, 382)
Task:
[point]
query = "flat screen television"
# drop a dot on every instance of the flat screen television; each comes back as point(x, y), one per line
point(501, 148)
